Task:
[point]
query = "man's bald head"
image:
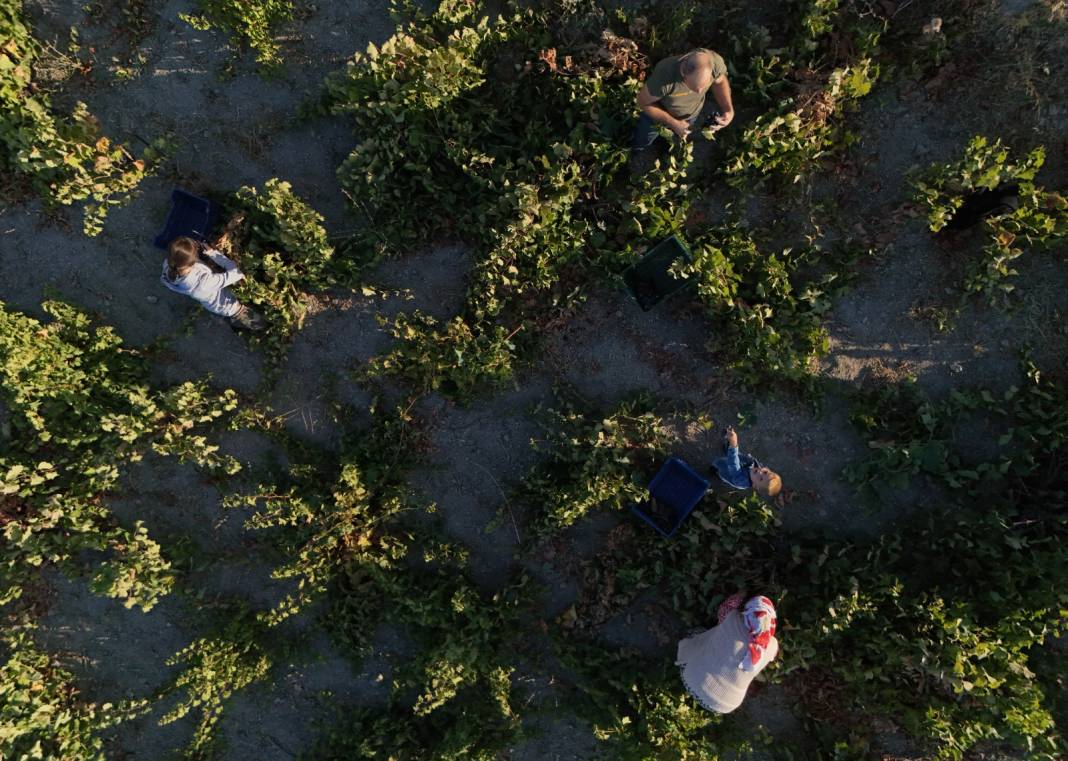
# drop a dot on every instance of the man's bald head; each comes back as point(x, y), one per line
point(696, 70)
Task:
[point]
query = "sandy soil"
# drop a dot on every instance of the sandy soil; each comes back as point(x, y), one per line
point(239, 128)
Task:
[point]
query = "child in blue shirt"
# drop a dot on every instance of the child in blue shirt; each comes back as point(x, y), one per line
point(742, 471)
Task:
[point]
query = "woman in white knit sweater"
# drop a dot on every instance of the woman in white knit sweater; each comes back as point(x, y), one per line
point(718, 664)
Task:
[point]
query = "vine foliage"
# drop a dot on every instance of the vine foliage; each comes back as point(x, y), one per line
point(65, 158)
point(1040, 219)
point(80, 409)
point(285, 253)
point(346, 528)
point(252, 22)
point(592, 462)
point(514, 127)
point(41, 713)
point(939, 622)
point(216, 668)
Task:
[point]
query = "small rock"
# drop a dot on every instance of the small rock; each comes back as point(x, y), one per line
point(956, 367)
point(151, 299)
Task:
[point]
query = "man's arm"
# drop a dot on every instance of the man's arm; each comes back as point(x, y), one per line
point(721, 91)
point(647, 102)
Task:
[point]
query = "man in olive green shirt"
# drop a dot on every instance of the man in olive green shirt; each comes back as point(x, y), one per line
point(674, 95)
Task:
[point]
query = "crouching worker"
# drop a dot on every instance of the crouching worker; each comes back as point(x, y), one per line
point(674, 95)
point(742, 471)
point(202, 274)
point(718, 664)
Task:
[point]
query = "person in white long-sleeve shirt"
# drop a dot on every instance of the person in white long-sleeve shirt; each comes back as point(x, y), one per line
point(202, 274)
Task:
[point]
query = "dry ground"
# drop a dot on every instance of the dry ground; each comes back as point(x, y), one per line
point(236, 128)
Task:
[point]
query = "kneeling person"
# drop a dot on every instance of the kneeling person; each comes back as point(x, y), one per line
point(718, 664)
point(203, 275)
point(674, 95)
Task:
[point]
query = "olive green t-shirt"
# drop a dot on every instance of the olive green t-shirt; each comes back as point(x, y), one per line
point(665, 84)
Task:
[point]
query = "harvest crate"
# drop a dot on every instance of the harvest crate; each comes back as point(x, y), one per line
point(677, 489)
point(649, 280)
point(190, 215)
point(980, 204)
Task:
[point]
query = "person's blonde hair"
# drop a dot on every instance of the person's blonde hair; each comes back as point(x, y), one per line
point(181, 255)
point(774, 485)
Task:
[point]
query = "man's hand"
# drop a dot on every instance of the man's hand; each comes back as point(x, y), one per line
point(722, 120)
point(731, 436)
point(681, 128)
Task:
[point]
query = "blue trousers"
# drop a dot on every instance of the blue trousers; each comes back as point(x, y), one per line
point(645, 131)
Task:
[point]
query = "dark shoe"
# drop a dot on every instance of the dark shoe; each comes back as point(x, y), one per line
point(248, 319)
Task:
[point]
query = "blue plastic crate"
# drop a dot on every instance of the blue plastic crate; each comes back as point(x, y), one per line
point(677, 487)
point(190, 215)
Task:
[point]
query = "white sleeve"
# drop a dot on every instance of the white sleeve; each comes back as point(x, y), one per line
point(221, 259)
point(232, 274)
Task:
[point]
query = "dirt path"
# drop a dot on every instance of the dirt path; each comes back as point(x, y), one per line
point(479, 453)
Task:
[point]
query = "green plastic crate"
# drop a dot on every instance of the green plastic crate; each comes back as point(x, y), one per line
point(649, 280)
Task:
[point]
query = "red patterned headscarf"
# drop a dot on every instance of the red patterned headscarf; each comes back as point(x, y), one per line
point(759, 617)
